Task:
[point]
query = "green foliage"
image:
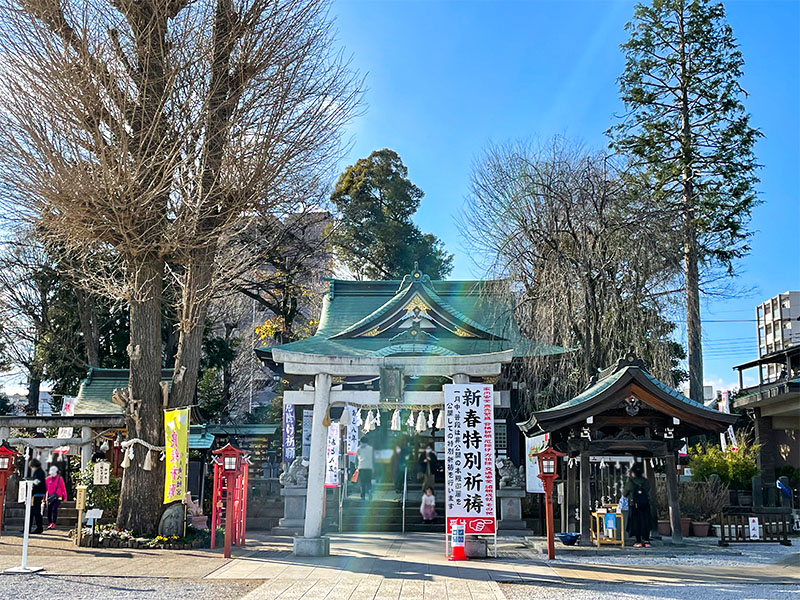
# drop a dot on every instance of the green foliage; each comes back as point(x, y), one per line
point(211, 395)
point(105, 497)
point(734, 468)
point(5, 405)
point(375, 237)
point(686, 122)
point(270, 413)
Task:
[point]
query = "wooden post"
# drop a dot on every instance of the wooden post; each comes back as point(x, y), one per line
point(569, 498)
point(672, 496)
point(651, 479)
point(585, 500)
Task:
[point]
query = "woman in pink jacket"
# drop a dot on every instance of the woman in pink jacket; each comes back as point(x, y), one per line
point(56, 493)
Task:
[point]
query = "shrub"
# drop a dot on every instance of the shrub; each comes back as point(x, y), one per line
point(735, 468)
point(105, 497)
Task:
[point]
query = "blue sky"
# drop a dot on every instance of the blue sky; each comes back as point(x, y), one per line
point(446, 78)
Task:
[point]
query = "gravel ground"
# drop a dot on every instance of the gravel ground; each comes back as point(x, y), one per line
point(36, 587)
point(605, 591)
point(739, 555)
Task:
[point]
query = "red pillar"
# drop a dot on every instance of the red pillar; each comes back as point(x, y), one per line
point(551, 548)
point(229, 515)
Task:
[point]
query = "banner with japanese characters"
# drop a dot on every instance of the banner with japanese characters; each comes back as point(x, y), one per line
point(306, 435)
point(176, 430)
point(469, 457)
point(332, 457)
point(288, 433)
point(350, 414)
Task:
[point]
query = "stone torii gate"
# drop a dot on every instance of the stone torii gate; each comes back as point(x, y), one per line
point(323, 368)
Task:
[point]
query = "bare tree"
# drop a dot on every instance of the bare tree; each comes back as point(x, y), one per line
point(142, 134)
point(585, 257)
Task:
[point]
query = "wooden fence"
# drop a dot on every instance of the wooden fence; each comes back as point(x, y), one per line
point(751, 528)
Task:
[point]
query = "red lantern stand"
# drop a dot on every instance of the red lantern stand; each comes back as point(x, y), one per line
point(229, 502)
point(8, 462)
point(548, 471)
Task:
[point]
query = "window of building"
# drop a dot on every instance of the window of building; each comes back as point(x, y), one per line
point(500, 436)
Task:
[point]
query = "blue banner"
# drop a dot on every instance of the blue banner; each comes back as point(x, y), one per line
point(288, 433)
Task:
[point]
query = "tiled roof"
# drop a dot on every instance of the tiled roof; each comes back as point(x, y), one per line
point(94, 395)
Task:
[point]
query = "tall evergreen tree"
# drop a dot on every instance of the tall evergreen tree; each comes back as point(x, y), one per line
point(375, 237)
point(687, 126)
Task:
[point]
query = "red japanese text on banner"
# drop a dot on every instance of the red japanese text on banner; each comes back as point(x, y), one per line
point(469, 457)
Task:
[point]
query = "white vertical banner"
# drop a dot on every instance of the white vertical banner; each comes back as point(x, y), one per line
point(307, 423)
point(752, 523)
point(724, 406)
point(469, 457)
point(533, 445)
point(351, 415)
point(332, 457)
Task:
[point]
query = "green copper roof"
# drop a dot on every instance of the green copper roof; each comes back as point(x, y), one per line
point(416, 316)
point(94, 395)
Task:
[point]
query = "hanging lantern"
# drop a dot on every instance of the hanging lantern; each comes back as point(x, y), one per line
point(410, 421)
point(440, 419)
point(148, 462)
point(395, 425)
point(421, 425)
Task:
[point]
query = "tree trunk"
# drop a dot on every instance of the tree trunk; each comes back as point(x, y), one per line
point(141, 496)
point(34, 383)
point(191, 320)
point(690, 254)
point(87, 312)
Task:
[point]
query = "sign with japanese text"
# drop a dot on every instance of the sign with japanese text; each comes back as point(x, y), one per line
point(351, 415)
point(469, 457)
point(176, 432)
point(306, 436)
point(755, 533)
point(332, 457)
point(102, 473)
point(288, 433)
point(724, 406)
point(534, 445)
point(67, 410)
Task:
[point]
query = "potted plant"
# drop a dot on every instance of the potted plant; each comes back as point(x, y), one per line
point(712, 497)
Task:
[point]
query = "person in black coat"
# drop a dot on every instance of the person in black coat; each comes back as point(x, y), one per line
point(38, 493)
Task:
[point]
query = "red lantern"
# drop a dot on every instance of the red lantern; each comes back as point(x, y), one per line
point(229, 503)
point(548, 471)
point(8, 462)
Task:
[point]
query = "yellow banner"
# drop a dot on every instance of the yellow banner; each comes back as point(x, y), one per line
point(176, 430)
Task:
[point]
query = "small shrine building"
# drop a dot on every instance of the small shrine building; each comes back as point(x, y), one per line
point(625, 411)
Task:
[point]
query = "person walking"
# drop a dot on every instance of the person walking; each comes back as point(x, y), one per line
point(428, 463)
point(37, 493)
point(56, 494)
point(637, 491)
point(366, 463)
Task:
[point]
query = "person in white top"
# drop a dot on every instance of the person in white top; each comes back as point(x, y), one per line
point(366, 462)
point(428, 506)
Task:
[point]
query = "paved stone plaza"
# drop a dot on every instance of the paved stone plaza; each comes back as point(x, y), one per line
point(399, 567)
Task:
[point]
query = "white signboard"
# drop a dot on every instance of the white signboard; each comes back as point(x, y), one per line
point(755, 534)
point(67, 410)
point(332, 457)
point(350, 415)
point(469, 457)
point(102, 472)
point(307, 422)
point(533, 445)
point(93, 514)
point(22, 493)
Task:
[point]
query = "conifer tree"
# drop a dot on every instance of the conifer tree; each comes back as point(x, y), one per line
point(686, 124)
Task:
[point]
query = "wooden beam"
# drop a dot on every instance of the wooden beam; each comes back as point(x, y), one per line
point(585, 500)
point(672, 496)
